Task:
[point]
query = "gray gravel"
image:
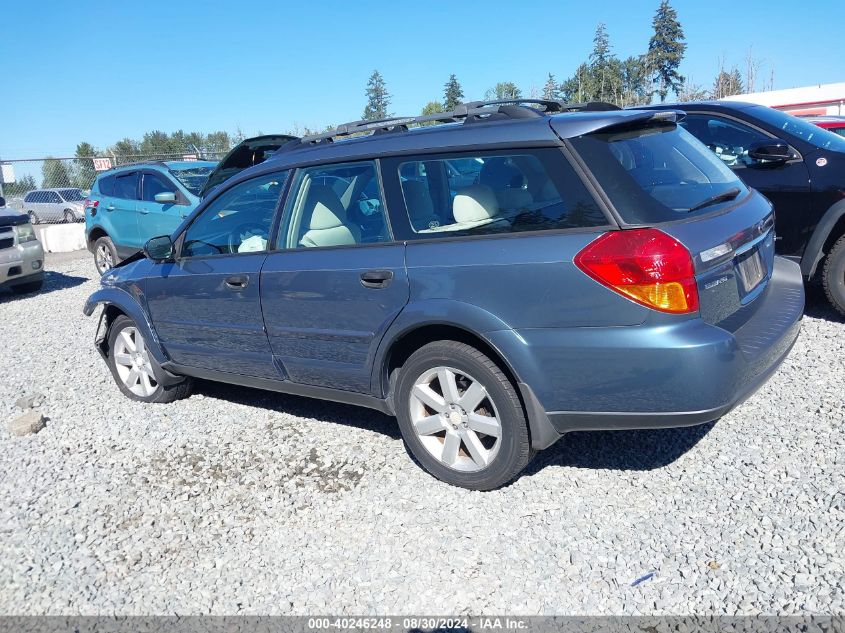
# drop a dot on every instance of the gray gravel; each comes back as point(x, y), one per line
point(239, 501)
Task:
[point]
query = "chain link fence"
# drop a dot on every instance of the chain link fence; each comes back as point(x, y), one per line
point(22, 176)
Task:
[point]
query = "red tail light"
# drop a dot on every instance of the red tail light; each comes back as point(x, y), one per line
point(645, 265)
point(90, 204)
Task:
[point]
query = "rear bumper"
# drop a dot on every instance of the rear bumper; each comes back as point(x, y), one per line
point(21, 264)
point(661, 375)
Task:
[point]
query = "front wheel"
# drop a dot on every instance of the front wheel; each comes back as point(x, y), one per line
point(69, 216)
point(461, 417)
point(33, 217)
point(135, 370)
point(833, 275)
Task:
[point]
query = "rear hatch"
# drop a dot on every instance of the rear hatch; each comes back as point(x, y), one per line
point(245, 154)
point(655, 174)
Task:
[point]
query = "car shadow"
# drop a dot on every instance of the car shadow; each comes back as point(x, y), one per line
point(817, 305)
point(52, 281)
point(611, 450)
point(620, 450)
point(320, 410)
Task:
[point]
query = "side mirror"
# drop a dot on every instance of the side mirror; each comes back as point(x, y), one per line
point(774, 150)
point(165, 197)
point(159, 249)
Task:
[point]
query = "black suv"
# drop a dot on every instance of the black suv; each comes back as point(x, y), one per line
point(798, 166)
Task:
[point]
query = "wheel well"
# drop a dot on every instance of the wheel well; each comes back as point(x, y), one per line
point(402, 348)
point(95, 234)
point(110, 313)
point(836, 232)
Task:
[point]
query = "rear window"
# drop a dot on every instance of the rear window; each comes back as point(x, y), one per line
point(658, 173)
point(490, 193)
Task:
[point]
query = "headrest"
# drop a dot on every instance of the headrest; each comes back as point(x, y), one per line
point(474, 203)
point(326, 208)
point(417, 199)
point(499, 173)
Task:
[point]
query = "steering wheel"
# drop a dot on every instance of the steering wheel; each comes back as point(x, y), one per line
point(243, 232)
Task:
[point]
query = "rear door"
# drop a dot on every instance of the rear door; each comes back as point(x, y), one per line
point(156, 218)
point(122, 208)
point(786, 185)
point(206, 306)
point(337, 279)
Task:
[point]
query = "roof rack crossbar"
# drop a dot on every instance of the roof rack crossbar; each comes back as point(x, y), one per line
point(472, 110)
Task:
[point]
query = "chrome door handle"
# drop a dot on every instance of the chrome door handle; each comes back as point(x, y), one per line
point(237, 282)
point(144, 211)
point(111, 208)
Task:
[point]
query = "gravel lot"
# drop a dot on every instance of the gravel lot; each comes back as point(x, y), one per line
point(239, 501)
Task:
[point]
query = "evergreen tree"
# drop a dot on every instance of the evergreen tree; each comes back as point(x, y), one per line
point(54, 174)
point(727, 83)
point(579, 87)
point(20, 187)
point(504, 90)
point(605, 69)
point(83, 169)
point(453, 94)
point(666, 50)
point(550, 90)
point(377, 98)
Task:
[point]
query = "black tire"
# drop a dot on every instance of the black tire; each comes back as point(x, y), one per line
point(70, 218)
point(31, 286)
point(100, 260)
point(514, 448)
point(161, 393)
point(833, 276)
point(33, 217)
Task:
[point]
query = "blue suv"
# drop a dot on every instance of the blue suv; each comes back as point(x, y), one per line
point(495, 278)
point(130, 204)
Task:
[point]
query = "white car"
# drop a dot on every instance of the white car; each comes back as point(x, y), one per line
point(21, 255)
point(54, 205)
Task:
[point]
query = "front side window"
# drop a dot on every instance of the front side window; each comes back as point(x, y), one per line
point(154, 184)
point(126, 186)
point(806, 131)
point(729, 140)
point(495, 193)
point(237, 221)
point(335, 205)
point(72, 195)
point(193, 178)
point(658, 172)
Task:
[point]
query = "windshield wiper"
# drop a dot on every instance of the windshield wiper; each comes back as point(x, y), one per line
point(728, 194)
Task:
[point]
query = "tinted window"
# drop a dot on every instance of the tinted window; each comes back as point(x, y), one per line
point(804, 130)
point(658, 173)
point(238, 221)
point(335, 205)
point(53, 197)
point(106, 185)
point(30, 197)
point(154, 184)
point(495, 193)
point(126, 186)
point(72, 195)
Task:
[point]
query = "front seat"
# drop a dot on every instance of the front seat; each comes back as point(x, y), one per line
point(324, 220)
point(420, 206)
point(507, 182)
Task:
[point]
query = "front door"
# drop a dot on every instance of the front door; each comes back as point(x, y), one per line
point(206, 306)
point(336, 281)
point(156, 218)
point(786, 185)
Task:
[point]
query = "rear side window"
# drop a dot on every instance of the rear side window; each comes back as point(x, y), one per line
point(495, 193)
point(658, 173)
point(106, 185)
point(126, 186)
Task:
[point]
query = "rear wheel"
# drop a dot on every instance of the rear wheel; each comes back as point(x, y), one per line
point(135, 370)
point(105, 254)
point(833, 275)
point(461, 417)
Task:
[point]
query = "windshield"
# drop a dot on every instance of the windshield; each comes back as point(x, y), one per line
point(658, 173)
point(193, 178)
point(806, 131)
point(71, 195)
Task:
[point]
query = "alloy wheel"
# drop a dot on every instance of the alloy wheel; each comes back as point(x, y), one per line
point(455, 419)
point(132, 361)
point(103, 258)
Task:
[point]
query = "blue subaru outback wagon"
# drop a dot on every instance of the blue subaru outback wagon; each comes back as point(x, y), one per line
point(513, 272)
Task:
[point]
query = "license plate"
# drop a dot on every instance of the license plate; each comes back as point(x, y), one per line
point(751, 270)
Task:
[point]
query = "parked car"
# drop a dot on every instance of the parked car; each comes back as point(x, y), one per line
point(130, 204)
point(796, 165)
point(835, 124)
point(21, 255)
point(603, 270)
point(54, 205)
